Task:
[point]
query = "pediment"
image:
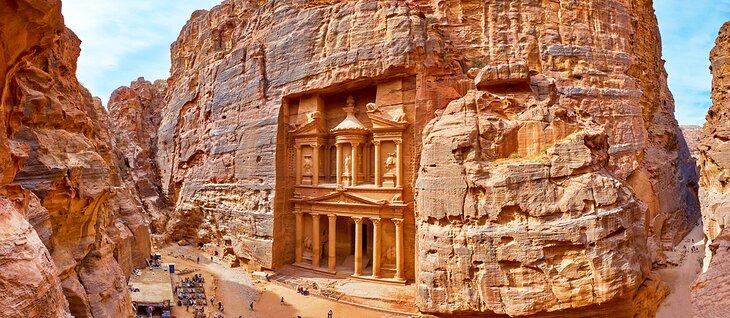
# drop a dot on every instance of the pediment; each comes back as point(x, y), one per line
point(380, 122)
point(314, 127)
point(342, 197)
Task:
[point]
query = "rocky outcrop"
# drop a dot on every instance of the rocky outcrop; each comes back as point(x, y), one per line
point(59, 173)
point(548, 170)
point(135, 117)
point(710, 289)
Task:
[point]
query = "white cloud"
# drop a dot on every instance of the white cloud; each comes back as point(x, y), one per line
point(125, 39)
point(689, 29)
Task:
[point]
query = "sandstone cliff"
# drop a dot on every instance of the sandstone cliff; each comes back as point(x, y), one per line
point(60, 174)
point(547, 182)
point(135, 117)
point(709, 293)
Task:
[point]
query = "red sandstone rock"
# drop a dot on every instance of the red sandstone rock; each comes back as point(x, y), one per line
point(59, 171)
point(546, 185)
point(710, 290)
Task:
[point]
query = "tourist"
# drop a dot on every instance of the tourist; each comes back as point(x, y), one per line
point(329, 314)
point(251, 306)
point(198, 259)
point(282, 298)
point(267, 277)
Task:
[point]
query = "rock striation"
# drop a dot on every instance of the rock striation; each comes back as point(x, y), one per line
point(69, 235)
point(547, 173)
point(135, 114)
point(709, 292)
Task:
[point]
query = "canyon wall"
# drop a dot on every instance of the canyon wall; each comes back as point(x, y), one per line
point(60, 177)
point(547, 174)
point(135, 117)
point(710, 291)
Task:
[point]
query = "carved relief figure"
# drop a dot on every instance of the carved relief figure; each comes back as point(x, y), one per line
point(390, 255)
point(307, 165)
point(348, 162)
point(390, 163)
point(372, 108)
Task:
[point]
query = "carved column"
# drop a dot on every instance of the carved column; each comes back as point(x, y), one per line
point(365, 163)
point(332, 252)
point(299, 234)
point(398, 163)
point(315, 164)
point(298, 164)
point(316, 253)
point(327, 161)
point(399, 261)
point(376, 247)
point(339, 164)
point(358, 246)
point(355, 160)
point(378, 181)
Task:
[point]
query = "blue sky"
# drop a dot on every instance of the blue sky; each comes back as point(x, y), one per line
point(689, 29)
point(125, 39)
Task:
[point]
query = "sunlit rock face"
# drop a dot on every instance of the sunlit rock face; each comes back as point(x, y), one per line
point(134, 113)
point(59, 173)
point(546, 172)
point(710, 291)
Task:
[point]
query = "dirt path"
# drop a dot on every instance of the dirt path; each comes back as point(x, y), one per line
point(677, 304)
point(235, 288)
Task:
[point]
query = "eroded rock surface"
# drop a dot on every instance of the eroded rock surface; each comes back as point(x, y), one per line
point(135, 116)
point(548, 174)
point(60, 174)
point(709, 293)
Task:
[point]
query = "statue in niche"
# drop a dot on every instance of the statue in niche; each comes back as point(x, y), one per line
point(307, 165)
point(390, 163)
point(400, 118)
point(314, 116)
point(390, 255)
point(372, 108)
point(348, 161)
point(308, 243)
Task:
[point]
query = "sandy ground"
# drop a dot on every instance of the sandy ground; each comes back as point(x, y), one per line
point(236, 290)
point(678, 303)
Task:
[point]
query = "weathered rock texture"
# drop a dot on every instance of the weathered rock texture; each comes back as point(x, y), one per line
point(546, 185)
point(135, 117)
point(58, 172)
point(692, 135)
point(710, 291)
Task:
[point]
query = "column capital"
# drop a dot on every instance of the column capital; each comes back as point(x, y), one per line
point(355, 143)
point(375, 220)
point(357, 219)
point(332, 216)
point(314, 214)
point(297, 146)
point(397, 221)
point(376, 142)
point(398, 141)
point(315, 145)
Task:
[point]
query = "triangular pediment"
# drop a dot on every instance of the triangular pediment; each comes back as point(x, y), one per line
point(314, 127)
point(380, 122)
point(342, 197)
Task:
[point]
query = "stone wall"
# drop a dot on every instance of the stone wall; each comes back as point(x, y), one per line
point(709, 292)
point(553, 171)
point(60, 174)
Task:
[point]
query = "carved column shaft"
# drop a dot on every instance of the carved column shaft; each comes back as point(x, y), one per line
point(315, 164)
point(354, 161)
point(327, 164)
point(358, 246)
point(398, 164)
point(378, 181)
point(298, 165)
point(332, 252)
point(316, 253)
point(399, 260)
point(339, 164)
point(299, 234)
point(376, 247)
